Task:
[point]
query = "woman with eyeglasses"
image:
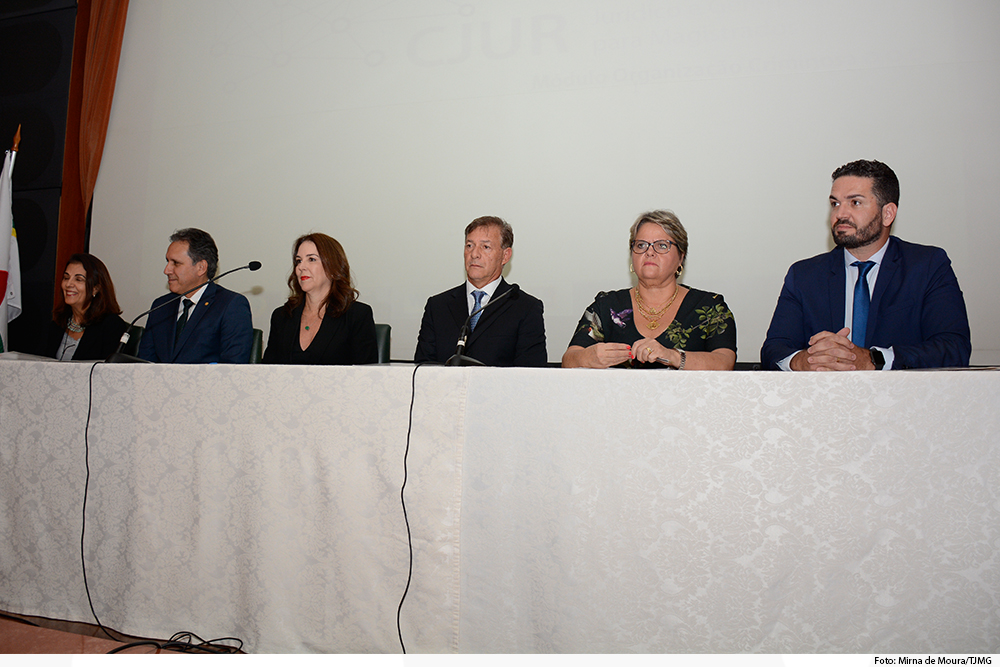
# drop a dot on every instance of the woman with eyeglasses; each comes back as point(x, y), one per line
point(322, 322)
point(658, 323)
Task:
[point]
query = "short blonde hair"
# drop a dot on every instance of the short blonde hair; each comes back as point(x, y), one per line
point(668, 222)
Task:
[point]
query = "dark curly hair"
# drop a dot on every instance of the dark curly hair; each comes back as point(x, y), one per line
point(331, 253)
point(100, 298)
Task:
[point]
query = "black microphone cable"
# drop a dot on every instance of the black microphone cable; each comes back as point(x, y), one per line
point(86, 487)
point(402, 502)
point(181, 641)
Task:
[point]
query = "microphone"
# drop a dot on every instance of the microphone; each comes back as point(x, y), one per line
point(459, 358)
point(118, 357)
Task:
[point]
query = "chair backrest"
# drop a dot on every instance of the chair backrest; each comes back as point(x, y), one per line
point(382, 336)
point(257, 346)
point(134, 336)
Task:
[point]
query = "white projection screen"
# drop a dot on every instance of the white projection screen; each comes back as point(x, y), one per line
point(391, 125)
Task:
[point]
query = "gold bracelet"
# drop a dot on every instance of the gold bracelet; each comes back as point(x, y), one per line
point(683, 360)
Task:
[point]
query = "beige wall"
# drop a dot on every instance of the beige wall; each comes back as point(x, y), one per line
point(391, 127)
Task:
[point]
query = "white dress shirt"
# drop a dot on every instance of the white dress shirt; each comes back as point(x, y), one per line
point(489, 288)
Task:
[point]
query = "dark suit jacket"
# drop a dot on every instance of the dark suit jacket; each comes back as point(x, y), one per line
point(511, 333)
point(100, 339)
point(344, 340)
point(917, 308)
point(220, 330)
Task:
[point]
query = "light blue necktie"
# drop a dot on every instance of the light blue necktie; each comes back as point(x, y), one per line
point(478, 296)
point(862, 302)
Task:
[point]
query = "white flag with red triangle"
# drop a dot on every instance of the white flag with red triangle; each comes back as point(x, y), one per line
point(10, 265)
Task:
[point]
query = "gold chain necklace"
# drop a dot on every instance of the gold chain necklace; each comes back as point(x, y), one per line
point(651, 314)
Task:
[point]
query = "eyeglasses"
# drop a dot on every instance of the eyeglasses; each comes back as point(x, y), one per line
point(660, 247)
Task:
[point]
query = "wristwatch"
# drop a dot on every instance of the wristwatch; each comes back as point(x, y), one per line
point(877, 358)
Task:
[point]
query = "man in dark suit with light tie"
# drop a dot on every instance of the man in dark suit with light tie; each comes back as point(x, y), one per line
point(874, 302)
point(509, 333)
point(207, 325)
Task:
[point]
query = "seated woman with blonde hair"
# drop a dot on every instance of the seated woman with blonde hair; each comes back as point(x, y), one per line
point(659, 322)
point(322, 322)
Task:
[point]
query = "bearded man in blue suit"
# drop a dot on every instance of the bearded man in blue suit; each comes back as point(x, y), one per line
point(207, 325)
point(875, 301)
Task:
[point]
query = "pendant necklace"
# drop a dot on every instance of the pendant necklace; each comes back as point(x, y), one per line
point(651, 314)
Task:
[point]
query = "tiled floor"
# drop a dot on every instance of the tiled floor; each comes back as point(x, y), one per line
point(17, 637)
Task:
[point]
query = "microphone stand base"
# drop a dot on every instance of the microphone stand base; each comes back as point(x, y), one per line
point(122, 358)
point(462, 360)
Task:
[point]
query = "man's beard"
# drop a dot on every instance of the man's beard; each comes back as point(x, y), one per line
point(862, 237)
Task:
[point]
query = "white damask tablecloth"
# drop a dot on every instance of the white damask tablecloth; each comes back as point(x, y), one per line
point(551, 510)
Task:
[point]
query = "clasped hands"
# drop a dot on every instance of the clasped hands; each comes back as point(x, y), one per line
point(646, 350)
point(832, 352)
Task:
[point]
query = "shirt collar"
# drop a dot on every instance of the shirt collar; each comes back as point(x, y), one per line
point(877, 257)
point(489, 288)
point(194, 296)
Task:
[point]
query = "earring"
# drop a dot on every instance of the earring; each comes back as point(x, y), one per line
point(631, 269)
point(679, 271)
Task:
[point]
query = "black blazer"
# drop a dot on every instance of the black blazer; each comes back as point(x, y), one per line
point(99, 341)
point(341, 341)
point(511, 333)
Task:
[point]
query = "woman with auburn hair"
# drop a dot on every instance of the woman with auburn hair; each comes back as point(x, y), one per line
point(86, 325)
point(322, 322)
point(659, 323)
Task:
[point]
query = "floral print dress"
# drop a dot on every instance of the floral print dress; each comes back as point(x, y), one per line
point(703, 323)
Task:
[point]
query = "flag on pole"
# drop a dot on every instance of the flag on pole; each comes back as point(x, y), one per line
point(10, 265)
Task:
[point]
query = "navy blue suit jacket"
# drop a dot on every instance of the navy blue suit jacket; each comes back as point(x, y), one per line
point(917, 308)
point(220, 330)
point(511, 333)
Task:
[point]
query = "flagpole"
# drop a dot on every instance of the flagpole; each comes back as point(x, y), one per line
point(10, 271)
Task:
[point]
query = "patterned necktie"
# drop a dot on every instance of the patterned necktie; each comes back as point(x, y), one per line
point(478, 296)
point(183, 319)
point(862, 302)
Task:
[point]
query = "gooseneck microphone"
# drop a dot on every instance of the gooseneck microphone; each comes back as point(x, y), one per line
point(459, 358)
point(118, 357)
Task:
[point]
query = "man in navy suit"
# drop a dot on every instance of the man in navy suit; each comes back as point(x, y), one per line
point(916, 315)
point(207, 325)
point(509, 333)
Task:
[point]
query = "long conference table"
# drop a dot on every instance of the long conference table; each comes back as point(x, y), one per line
point(549, 510)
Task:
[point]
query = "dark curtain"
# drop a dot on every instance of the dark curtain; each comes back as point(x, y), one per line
point(97, 46)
